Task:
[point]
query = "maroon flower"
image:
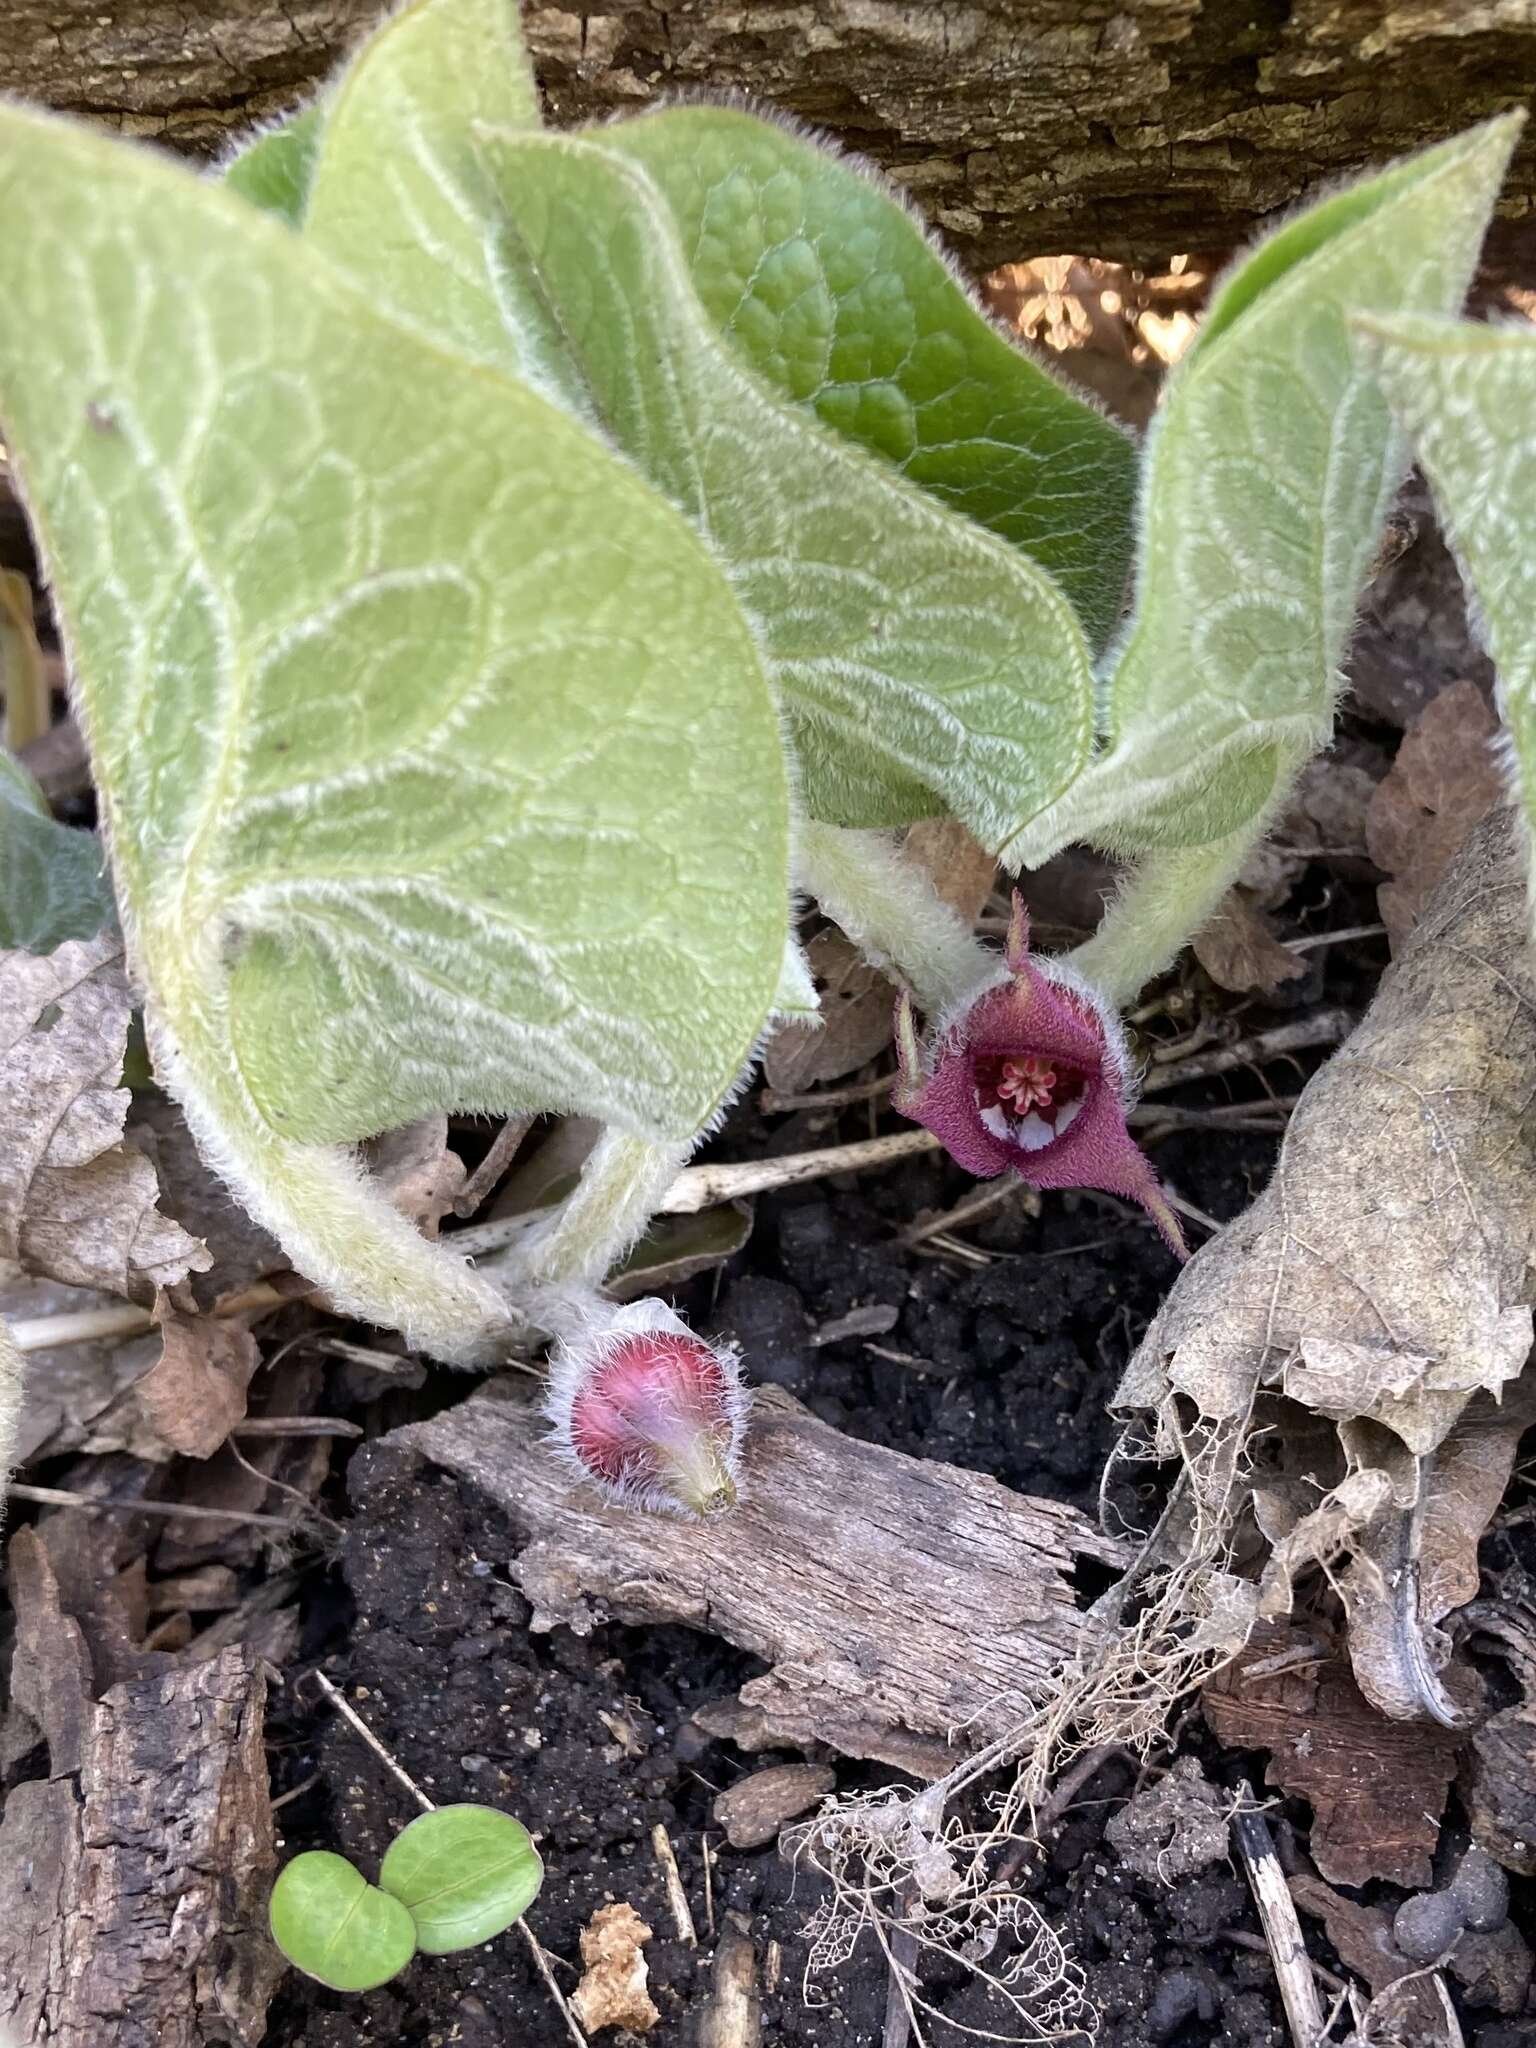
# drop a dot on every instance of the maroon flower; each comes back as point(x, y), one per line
point(650, 1412)
point(1032, 1078)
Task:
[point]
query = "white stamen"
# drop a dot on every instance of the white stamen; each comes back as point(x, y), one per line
point(1034, 1133)
point(1070, 1112)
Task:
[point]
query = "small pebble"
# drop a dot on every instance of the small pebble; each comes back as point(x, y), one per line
point(1180, 1995)
point(1427, 1924)
point(753, 1811)
point(1481, 1888)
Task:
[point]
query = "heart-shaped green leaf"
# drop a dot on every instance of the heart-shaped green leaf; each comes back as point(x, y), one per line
point(919, 658)
point(336, 1927)
point(1269, 469)
point(826, 286)
point(465, 1873)
point(440, 764)
point(1467, 396)
point(53, 883)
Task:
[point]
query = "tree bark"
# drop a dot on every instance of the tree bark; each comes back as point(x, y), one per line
point(1125, 128)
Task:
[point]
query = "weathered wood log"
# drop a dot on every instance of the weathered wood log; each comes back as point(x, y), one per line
point(134, 1876)
point(1110, 127)
point(900, 1603)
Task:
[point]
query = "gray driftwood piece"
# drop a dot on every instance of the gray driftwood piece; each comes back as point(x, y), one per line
point(1106, 127)
point(899, 1602)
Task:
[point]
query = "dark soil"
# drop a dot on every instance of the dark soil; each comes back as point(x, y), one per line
point(1009, 1370)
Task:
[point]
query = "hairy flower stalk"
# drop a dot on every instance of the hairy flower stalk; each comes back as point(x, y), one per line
point(649, 1412)
point(1032, 1078)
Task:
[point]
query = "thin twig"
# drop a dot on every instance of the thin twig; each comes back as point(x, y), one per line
point(1352, 931)
point(981, 1202)
point(772, 1103)
point(170, 1510)
point(91, 1326)
point(1323, 1027)
point(1277, 1915)
point(295, 1425)
point(671, 1876)
point(493, 1167)
point(402, 1776)
point(359, 1727)
point(701, 1187)
point(707, 1855)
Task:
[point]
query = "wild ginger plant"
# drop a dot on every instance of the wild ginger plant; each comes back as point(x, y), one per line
point(497, 567)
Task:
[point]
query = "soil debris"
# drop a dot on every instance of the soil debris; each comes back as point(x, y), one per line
point(1174, 1827)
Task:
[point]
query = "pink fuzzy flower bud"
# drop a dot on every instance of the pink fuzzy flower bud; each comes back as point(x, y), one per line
point(1032, 1078)
point(649, 1412)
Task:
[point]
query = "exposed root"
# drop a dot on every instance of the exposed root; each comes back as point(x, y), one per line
point(920, 1884)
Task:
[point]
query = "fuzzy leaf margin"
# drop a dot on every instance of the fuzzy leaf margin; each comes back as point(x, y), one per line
point(386, 704)
point(1466, 394)
point(1268, 472)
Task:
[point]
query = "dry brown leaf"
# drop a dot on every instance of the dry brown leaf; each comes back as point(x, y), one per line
point(1376, 1787)
point(195, 1393)
point(612, 1992)
point(418, 1172)
point(961, 869)
point(1387, 1270)
point(1240, 952)
point(857, 1010)
point(1444, 782)
point(76, 1203)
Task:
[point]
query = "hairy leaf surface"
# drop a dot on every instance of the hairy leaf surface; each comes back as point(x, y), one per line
point(400, 194)
point(53, 883)
point(1467, 396)
point(1269, 470)
point(919, 658)
point(827, 287)
point(386, 664)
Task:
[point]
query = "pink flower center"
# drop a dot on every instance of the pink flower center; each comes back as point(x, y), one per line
point(1026, 1084)
point(1027, 1098)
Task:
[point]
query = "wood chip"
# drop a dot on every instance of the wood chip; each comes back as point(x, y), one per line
point(753, 1811)
point(945, 1601)
point(134, 1877)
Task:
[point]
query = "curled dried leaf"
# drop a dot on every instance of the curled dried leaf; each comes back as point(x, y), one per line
point(76, 1203)
point(1382, 1283)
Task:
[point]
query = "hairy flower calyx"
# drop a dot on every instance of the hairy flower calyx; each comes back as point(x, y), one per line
point(1031, 1077)
point(649, 1412)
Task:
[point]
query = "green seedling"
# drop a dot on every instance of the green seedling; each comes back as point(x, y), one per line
point(454, 1877)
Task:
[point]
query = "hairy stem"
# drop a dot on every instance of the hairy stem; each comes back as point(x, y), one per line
point(621, 1185)
point(338, 1229)
point(889, 909)
point(1162, 903)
